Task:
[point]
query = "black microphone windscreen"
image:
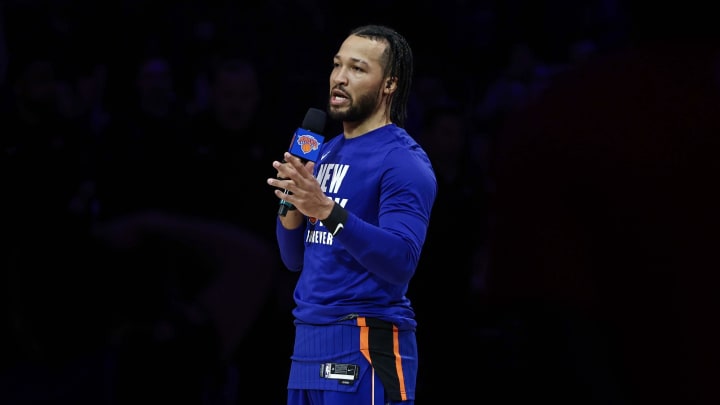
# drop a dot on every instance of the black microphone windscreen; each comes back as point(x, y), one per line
point(315, 120)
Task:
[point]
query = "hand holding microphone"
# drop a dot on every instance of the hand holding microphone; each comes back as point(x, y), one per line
point(305, 145)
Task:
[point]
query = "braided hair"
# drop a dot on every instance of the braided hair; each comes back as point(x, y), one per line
point(398, 65)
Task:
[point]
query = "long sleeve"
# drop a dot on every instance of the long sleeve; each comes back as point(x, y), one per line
point(391, 248)
point(290, 243)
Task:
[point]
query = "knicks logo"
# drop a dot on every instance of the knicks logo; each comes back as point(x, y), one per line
point(308, 143)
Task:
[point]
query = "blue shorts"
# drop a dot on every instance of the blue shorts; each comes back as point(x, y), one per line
point(361, 361)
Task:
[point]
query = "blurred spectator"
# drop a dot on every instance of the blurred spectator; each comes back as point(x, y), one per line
point(230, 139)
point(188, 292)
point(523, 79)
point(143, 155)
point(44, 151)
point(233, 139)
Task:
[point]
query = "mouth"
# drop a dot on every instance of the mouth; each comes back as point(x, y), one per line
point(338, 97)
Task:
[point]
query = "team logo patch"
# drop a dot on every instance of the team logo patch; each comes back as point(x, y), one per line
point(308, 143)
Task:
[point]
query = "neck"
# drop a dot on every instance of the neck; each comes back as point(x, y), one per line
point(358, 128)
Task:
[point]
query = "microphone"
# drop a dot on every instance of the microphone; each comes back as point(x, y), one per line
point(305, 144)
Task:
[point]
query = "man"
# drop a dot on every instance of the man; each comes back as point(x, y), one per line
point(362, 212)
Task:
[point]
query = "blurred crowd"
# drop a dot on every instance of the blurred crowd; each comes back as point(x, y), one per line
point(138, 253)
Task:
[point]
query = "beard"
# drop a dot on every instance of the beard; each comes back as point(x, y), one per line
point(357, 112)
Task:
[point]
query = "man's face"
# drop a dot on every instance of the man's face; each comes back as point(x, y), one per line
point(356, 79)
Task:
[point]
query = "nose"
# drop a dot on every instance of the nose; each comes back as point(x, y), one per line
point(338, 76)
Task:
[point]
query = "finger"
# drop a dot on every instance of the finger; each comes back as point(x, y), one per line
point(289, 197)
point(279, 166)
point(284, 170)
point(293, 160)
point(276, 182)
point(303, 168)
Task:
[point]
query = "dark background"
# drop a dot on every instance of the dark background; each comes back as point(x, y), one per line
point(570, 253)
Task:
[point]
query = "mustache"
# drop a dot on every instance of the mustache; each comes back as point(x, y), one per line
point(340, 91)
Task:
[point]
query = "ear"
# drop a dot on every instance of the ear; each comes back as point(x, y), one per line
point(390, 85)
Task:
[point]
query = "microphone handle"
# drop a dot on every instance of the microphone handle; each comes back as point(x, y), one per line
point(284, 205)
